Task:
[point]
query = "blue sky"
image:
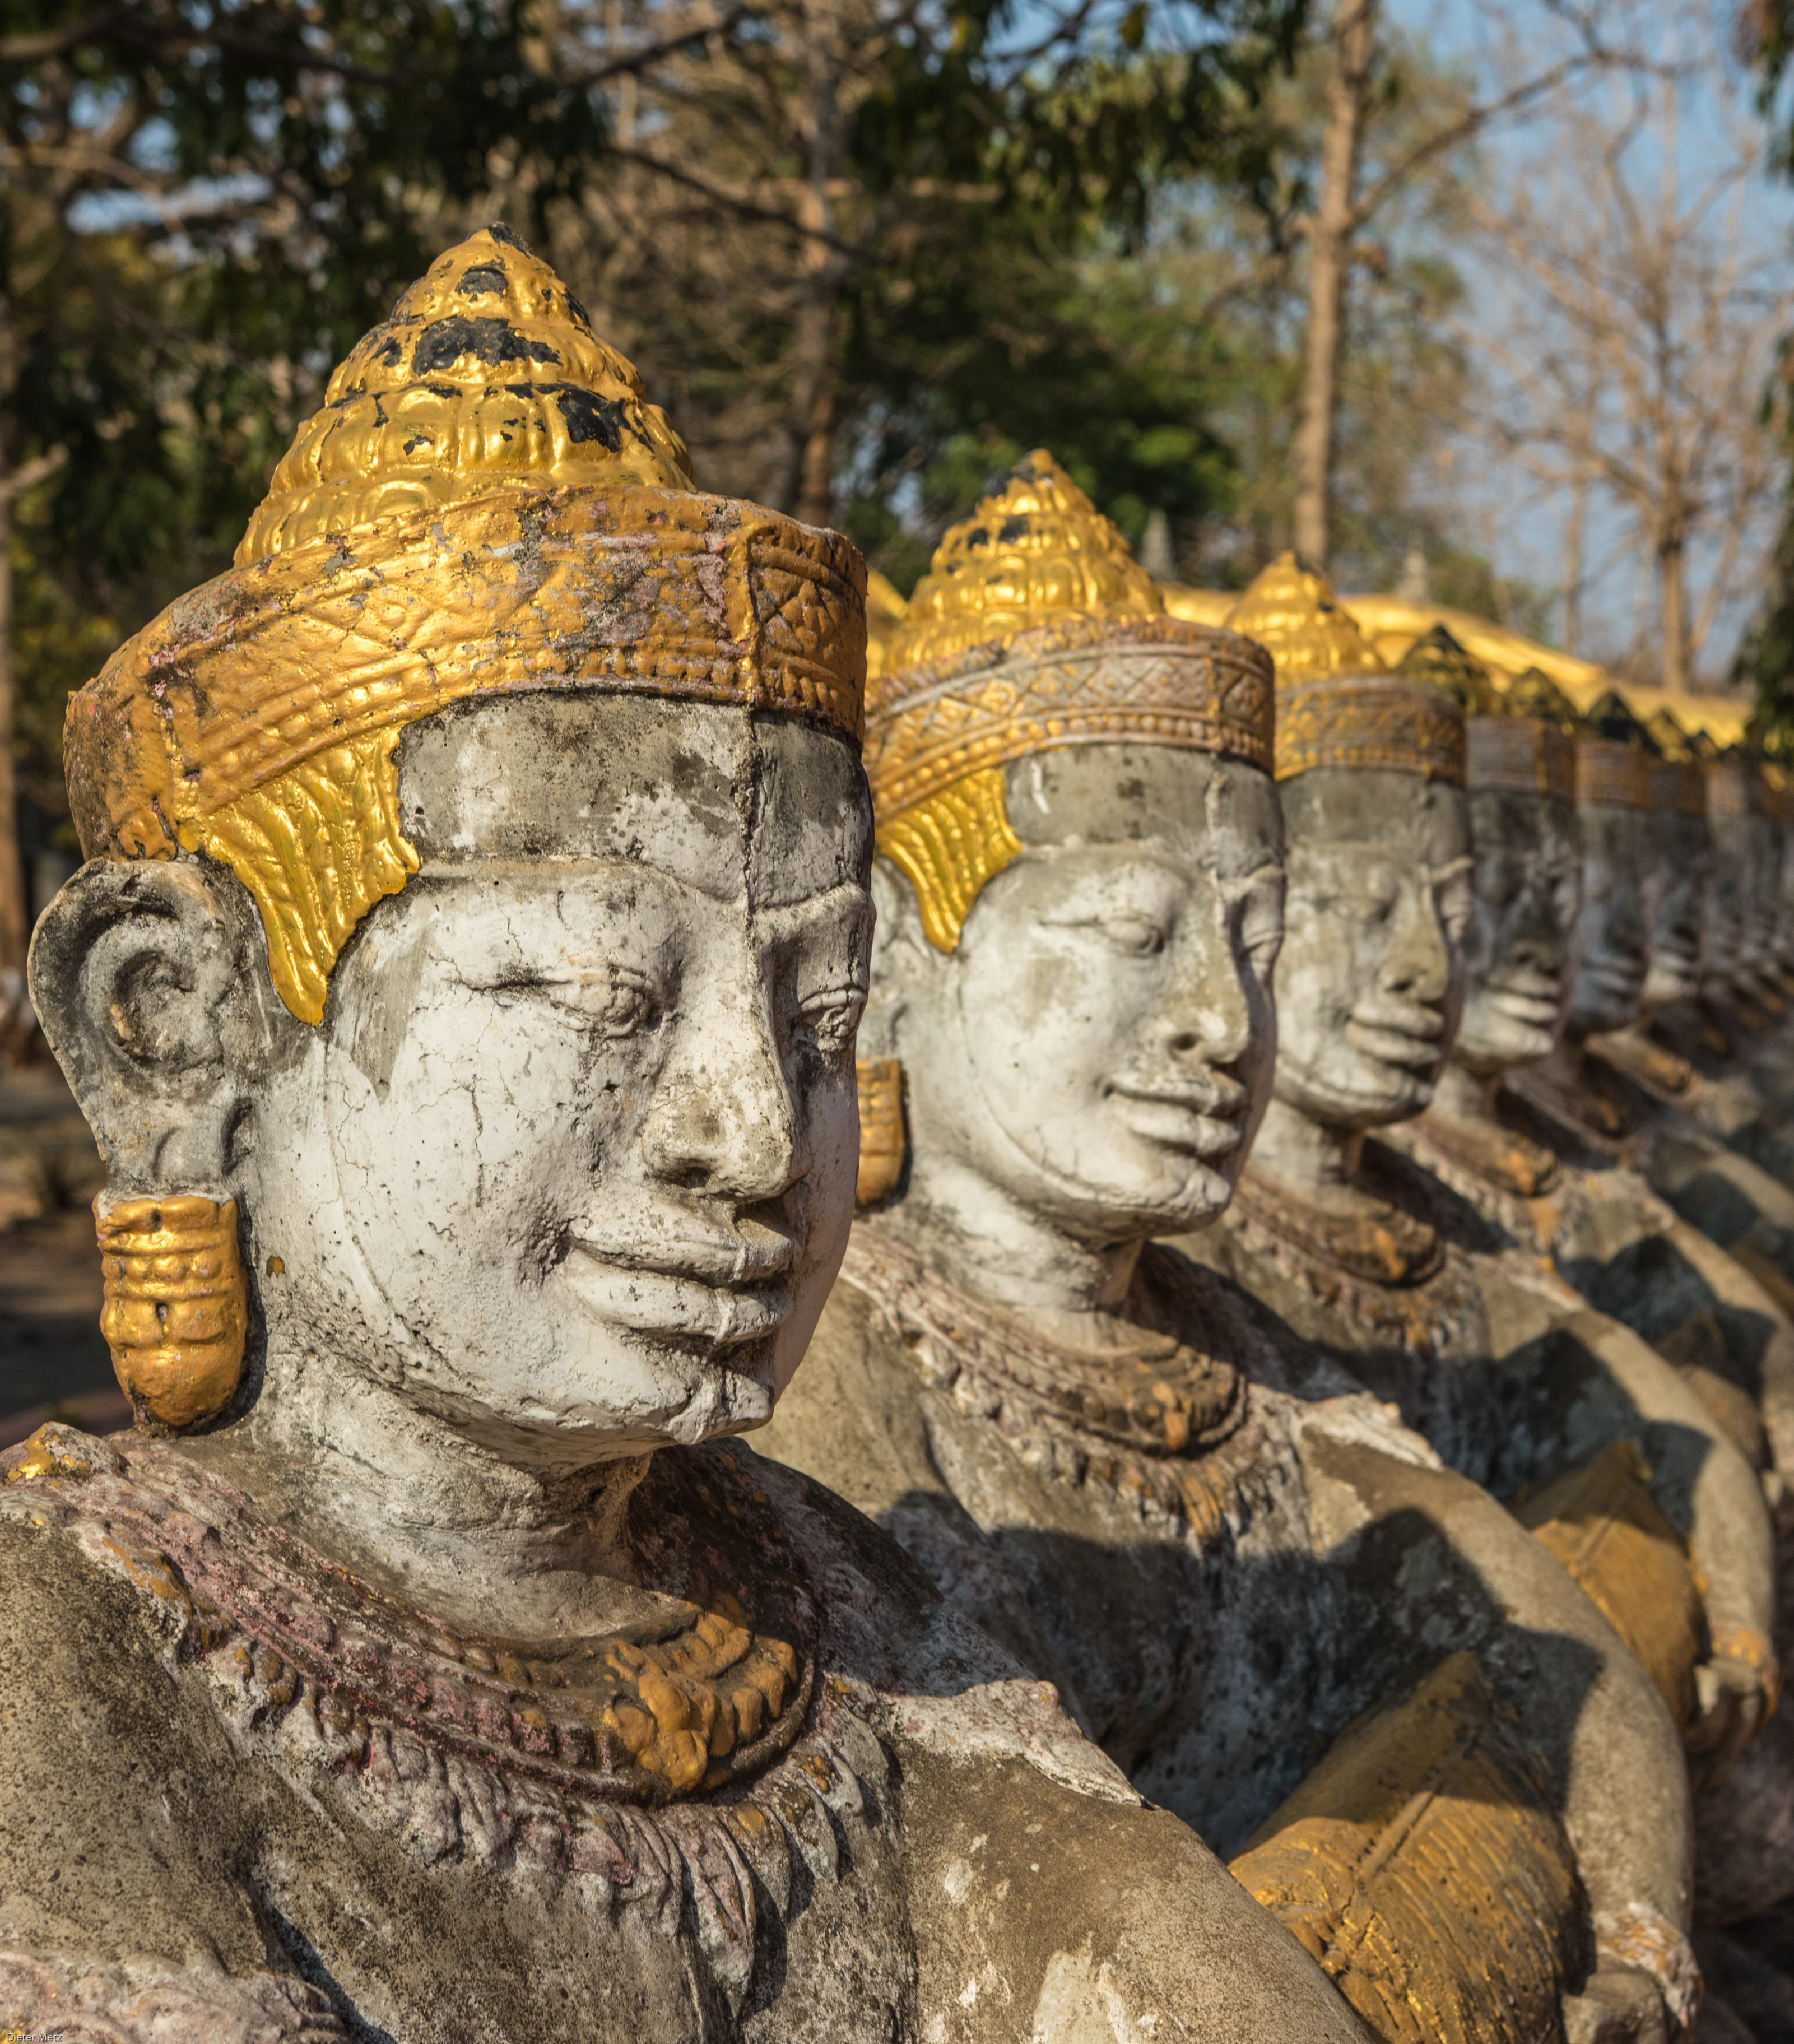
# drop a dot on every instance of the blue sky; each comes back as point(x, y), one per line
point(1523, 525)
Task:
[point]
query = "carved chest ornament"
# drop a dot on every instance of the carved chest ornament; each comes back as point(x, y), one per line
point(667, 1769)
point(1170, 1425)
point(1375, 1264)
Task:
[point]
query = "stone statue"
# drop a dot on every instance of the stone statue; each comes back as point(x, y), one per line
point(1513, 1134)
point(1269, 1601)
point(1683, 856)
point(1618, 1095)
point(1686, 1055)
point(1504, 1369)
point(463, 987)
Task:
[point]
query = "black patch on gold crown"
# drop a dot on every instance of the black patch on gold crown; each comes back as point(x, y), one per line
point(490, 340)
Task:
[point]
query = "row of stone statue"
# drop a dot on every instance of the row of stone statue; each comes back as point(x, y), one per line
point(1318, 1436)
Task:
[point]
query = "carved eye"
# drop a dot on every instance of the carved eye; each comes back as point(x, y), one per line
point(1134, 936)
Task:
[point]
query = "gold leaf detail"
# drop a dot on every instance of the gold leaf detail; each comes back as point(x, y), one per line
point(317, 847)
point(948, 847)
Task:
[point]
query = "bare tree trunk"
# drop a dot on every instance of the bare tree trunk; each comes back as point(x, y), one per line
point(13, 909)
point(1330, 253)
point(1671, 568)
point(1575, 541)
point(809, 493)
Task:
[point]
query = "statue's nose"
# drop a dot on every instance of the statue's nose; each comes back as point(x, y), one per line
point(722, 1119)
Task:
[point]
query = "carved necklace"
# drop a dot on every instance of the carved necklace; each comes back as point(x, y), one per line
point(600, 1760)
point(1375, 1265)
point(1595, 1110)
point(1159, 1421)
point(1514, 1182)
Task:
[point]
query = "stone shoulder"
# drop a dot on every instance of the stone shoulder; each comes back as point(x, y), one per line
point(107, 1763)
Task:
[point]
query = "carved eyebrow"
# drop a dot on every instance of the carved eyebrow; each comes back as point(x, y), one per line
point(785, 918)
point(1450, 870)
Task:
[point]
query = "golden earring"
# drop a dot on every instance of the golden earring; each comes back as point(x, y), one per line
point(883, 1149)
point(177, 1304)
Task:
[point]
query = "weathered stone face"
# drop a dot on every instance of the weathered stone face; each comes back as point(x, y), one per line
point(568, 1162)
point(1613, 935)
point(1372, 977)
point(586, 1086)
point(1683, 849)
point(1519, 948)
point(1098, 1047)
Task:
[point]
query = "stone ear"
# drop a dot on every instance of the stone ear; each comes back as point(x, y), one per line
point(144, 975)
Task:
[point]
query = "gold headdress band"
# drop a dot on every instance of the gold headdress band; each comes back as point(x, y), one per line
point(1614, 755)
point(1678, 785)
point(1527, 743)
point(484, 505)
point(1034, 629)
point(1337, 705)
point(1608, 770)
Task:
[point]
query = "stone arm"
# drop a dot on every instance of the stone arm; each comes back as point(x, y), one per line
point(1578, 1379)
point(123, 1914)
point(1665, 1279)
point(1721, 1193)
point(1045, 1917)
point(1578, 1701)
point(1049, 1905)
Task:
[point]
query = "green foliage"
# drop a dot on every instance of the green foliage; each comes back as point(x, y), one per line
point(206, 205)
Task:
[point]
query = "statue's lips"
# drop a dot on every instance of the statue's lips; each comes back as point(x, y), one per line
point(1622, 977)
point(1411, 1038)
point(1203, 1121)
point(1533, 1011)
point(725, 1289)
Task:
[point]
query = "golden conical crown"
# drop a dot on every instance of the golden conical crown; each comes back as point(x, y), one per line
point(1534, 693)
point(1035, 552)
point(1671, 740)
point(1611, 716)
point(1293, 614)
point(1522, 740)
point(486, 374)
point(1438, 659)
point(485, 506)
point(1337, 705)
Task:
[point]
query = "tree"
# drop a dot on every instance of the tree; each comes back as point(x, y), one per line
point(813, 234)
point(201, 207)
point(1628, 343)
point(1364, 89)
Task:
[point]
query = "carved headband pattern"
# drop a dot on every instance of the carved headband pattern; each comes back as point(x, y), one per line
point(1524, 754)
point(1337, 705)
point(1526, 740)
point(486, 503)
point(1608, 769)
point(1034, 629)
